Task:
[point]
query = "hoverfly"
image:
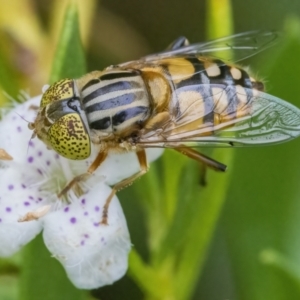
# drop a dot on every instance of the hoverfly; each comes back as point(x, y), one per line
point(181, 98)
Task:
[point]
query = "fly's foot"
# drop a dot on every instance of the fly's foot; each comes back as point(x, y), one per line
point(74, 184)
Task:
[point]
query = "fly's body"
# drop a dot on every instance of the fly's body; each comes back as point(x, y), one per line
point(181, 98)
point(171, 99)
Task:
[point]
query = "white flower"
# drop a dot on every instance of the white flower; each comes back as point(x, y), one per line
point(92, 254)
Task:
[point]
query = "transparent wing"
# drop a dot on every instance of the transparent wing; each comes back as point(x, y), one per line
point(231, 48)
point(245, 118)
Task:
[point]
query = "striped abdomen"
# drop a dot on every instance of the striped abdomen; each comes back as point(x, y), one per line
point(207, 92)
point(115, 101)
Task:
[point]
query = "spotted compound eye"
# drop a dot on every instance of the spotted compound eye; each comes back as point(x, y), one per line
point(69, 137)
point(60, 90)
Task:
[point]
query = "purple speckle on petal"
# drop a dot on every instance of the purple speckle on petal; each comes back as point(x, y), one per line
point(66, 209)
point(19, 129)
point(39, 171)
point(86, 235)
point(83, 201)
point(30, 197)
point(30, 159)
point(56, 156)
point(96, 224)
point(31, 144)
point(73, 220)
point(8, 209)
point(97, 208)
point(0, 220)
point(26, 203)
point(23, 186)
point(82, 243)
point(102, 239)
point(10, 187)
point(86, 213)
point(48, 162)
point(40, 199)
point(40, 153)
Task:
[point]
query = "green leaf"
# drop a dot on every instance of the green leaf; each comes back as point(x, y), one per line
point(69, 60)
point(262, 208)
point(8, 82)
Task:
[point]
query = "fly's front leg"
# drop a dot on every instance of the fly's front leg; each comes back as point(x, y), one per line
point(73, 184)
point(142, 158)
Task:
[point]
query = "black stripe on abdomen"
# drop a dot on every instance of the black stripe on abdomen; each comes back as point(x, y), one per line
point(127, 114)
point(200, 82)
point(116, 75)
point(245, 80)
point(90, 83)
point(121, 100)
point(225, 76)
point(118, 118)
point(113, 87)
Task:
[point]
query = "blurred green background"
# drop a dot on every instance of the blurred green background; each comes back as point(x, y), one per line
point(254, 253)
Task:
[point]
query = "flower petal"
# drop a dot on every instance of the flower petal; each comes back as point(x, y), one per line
point(92, 254)
point(14, 132)
point(17, 199)
point(120, 166)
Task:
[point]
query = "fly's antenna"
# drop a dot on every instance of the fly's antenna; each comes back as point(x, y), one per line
point(22, 118)
point(31, 126)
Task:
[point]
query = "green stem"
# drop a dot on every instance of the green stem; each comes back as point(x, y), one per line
point(154, 284)
point(219, 18)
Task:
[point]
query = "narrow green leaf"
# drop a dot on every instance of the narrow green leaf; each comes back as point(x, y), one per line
point(149, 190)
point(8, 82)
point(186, 191)
point(173, 164)
point(204, 218)
point(69, 60)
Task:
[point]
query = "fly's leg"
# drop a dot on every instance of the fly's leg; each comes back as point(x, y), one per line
point(142, 158)
point(204, 160)
point(73, 184)
point(141, 155)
